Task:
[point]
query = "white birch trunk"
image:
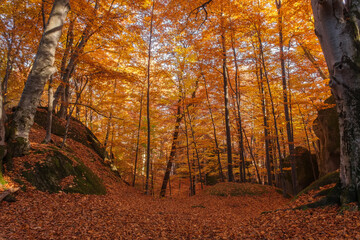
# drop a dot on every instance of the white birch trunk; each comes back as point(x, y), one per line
point(337, 27)
point(41, 71)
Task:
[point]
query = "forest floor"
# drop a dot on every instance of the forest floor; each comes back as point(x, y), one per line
point(126, 213)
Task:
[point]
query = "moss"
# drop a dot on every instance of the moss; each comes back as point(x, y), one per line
point(47, 176)
point(332, 198)
point(2, 181)
point(323, 193)
point(323, 181)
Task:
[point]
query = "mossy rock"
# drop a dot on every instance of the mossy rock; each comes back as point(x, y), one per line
point(48, 176)
point(237, 189)
point(329, 178)
point(2, 181)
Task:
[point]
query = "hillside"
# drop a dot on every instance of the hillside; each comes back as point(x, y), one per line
point(234, 211)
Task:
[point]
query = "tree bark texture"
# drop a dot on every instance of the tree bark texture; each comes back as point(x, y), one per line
point(41, 71)
point(337, 25)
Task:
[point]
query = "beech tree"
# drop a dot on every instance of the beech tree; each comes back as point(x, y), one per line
point(41, 71)
point(337, 25)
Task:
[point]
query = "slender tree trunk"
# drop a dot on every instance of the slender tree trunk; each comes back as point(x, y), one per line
point(91, 103)
point(179, 117)
point(70, 113)
point(170, 186)
point(252, 157)
point(290, 137)
point(337, 27)
point(67, 70)
point(226, 103)
point(3, 148)
point(238, 111)
point(148, 101)
point(312, 59)
point(8, 70)
point(221, 174)
point(41, 71)
point(138, 141)
point(266, 127)
point(110, 119)
point(195, 148)
point(63, 69)
point(50, 111)
point(274, 115)
point(193, 132)
point(192, 190)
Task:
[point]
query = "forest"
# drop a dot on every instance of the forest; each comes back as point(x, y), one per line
point(154, 110)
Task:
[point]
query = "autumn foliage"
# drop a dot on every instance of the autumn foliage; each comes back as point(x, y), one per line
point(182, 95)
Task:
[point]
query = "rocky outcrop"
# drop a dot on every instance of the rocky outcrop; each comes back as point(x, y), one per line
point(326, 128)
point(306, 169)
point(58, 172)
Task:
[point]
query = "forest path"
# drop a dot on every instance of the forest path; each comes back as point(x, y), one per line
point(124, 213)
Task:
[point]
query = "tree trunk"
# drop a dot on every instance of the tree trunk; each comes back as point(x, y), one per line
point(221, 174)
point(138, 140)
point(179, 117)
point(148, 101)
point(273, 113)
point(337, 27)
point(3, 149)
point(253, 158)
point(238, 111)
point(266, 130)
point(226, 104)
point(50, 111)
point(41, 71)
point(290, 137)
point(192, 190)
point(195, 147)
point(70, 113)
point(108, 128)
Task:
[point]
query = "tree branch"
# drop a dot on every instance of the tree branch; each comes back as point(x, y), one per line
point(95, 110)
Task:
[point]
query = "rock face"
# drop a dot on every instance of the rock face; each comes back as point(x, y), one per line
point(326, 128)
point(58, 172)
point(306, 169)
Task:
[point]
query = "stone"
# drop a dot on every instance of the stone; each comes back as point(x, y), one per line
point(49, 175)
point(306, 169)
point(326, 128)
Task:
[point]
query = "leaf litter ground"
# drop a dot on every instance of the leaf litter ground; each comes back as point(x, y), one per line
point(125, 213)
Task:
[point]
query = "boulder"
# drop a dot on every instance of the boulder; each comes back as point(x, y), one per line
point(306, 169)
point(326, 128)
point(58, 172)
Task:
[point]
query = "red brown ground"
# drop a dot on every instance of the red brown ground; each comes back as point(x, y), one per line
point(125, 213)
